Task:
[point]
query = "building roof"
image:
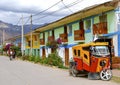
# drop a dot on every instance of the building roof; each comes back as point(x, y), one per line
point(87, 12)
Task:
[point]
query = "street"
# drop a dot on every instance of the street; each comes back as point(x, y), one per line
point(18, 72)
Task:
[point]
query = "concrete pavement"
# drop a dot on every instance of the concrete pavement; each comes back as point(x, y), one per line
point(116, 72)
point(19, 72)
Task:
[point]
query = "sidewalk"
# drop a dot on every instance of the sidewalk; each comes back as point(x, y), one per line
point(116, 72)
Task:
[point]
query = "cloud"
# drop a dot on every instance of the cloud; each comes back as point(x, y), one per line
point(17, 7)
point(12, 10)
point(25, 6)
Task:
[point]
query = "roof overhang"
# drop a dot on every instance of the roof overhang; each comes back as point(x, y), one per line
point(87, 12)
point(29, 34)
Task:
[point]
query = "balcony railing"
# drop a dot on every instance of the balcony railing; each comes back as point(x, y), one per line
point(42, 42)
point(100, 28)
point(64, 37)
point(79, 35)
point(51, 38)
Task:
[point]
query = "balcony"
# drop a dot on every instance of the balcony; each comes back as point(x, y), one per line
point(51, 38)
point(100, 28)
point(79, 35)
point(64, 37)
point(42, 42)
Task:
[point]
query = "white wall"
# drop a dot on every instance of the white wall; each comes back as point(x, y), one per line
point(115, 44)
point(40, 52)
point(48, 51)
point(61, 53)
point(70, 53)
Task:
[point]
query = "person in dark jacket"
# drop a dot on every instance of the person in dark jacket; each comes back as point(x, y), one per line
point(14, 54)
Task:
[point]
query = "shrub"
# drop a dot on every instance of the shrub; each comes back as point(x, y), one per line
point(37, 59)
point(44, 61)
point(31, 58)
point(25, 57)
point(18, 53)
point(55, 60)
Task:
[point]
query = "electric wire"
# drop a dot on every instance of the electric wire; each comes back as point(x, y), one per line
point(48, 8)
point(39, 12)
point(19, 21)
point(27, 20)
point(67, 7)
point(63, 8)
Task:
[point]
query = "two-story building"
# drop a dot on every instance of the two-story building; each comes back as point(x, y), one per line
point(32, 44)
point(78, 28)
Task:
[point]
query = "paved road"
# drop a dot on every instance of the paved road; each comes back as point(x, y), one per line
point(19, 72)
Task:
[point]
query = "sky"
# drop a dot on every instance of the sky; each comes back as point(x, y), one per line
point(43, 11)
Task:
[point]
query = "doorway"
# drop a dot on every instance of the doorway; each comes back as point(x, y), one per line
point(66, 56)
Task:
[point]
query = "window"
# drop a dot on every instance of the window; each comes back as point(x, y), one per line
point(65, 28)
point(103, 18)
point(35, 37)
point(85, 56)
point(69, 30)
point(78, 52)
point(86, 48)
point(100, 51)
point(41, 35)
point(75, 52)
point(48, 33)
point(88, 24)
point(52, 32)
point(81, 25)
point(29, 43)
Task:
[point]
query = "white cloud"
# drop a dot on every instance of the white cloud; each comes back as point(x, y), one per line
point(12, 10)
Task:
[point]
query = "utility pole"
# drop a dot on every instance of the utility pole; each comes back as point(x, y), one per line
point(3, 36)
point(31, 36)
point(0, 41)
point(22, 33)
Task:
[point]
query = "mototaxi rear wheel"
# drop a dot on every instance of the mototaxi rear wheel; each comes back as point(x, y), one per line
point(106, 74)
point(74, 71)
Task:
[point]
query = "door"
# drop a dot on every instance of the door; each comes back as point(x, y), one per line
point(43, 53)
point(66, 56)
point(81, 25)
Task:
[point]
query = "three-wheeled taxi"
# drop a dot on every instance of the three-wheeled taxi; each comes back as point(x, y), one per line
point(91, 59)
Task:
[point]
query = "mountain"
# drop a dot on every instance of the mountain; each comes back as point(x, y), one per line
point(11, 30)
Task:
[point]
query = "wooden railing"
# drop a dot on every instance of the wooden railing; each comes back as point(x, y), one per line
point(100, 28)
point(51, 38)
point(64, 37)
point(79, 35)
point(42, 42)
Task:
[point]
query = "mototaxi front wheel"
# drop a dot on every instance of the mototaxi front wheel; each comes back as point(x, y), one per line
point(106, 74)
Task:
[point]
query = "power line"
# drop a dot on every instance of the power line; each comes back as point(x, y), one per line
point(27, 20)
point(69, 5)
point(19, 21)
point(48, 8)
point(39, 12)
point(65, 7)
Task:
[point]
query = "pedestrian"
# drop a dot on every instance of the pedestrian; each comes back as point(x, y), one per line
point(14, 54)
point(10, 53)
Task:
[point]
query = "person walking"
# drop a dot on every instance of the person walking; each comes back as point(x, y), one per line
point(14, 54)
point(10, 53)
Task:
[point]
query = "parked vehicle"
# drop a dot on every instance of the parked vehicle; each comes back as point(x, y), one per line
point(91, 59)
